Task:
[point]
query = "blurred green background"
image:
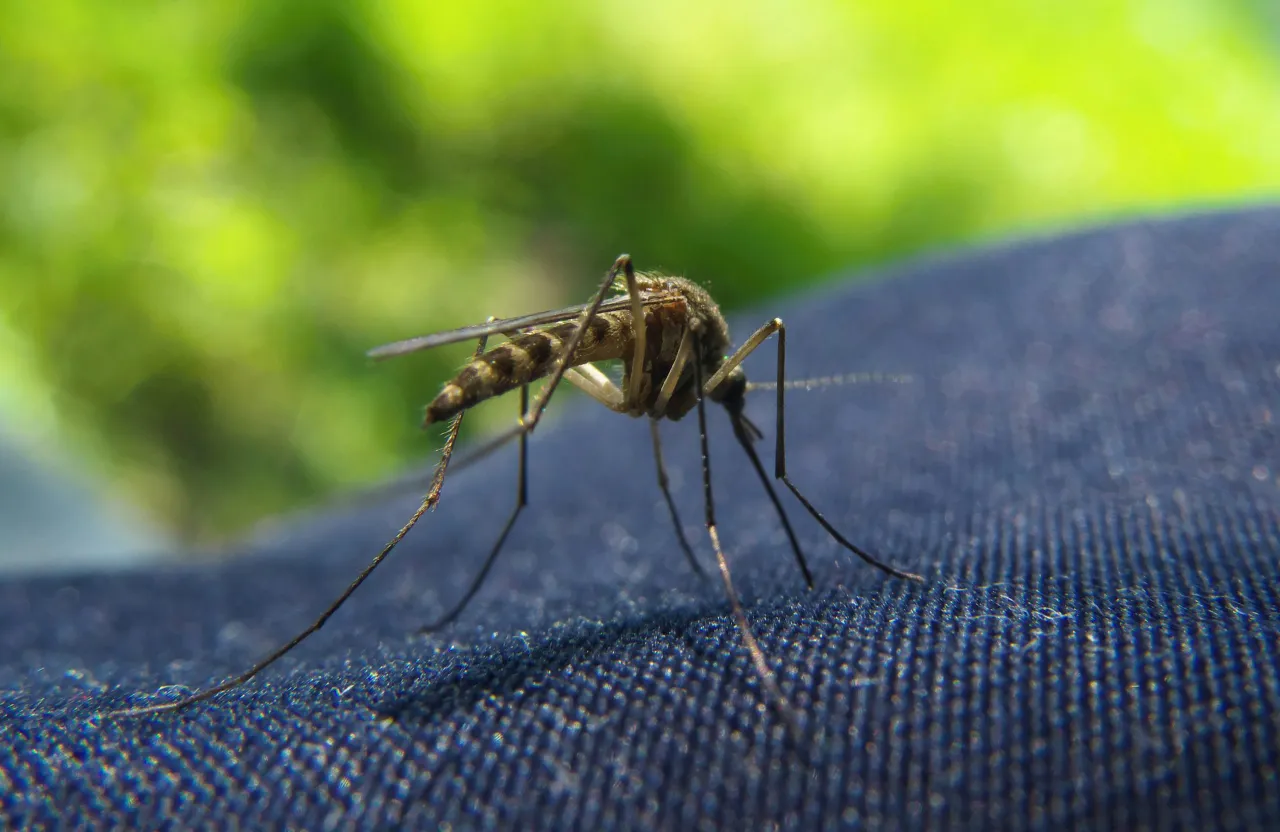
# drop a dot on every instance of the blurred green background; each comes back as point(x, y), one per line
point(209, 210)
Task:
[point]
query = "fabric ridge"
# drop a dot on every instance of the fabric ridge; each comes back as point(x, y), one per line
point(1085, 466)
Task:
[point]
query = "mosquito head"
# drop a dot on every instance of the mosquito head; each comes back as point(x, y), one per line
point(732, 392)
point(733, 395)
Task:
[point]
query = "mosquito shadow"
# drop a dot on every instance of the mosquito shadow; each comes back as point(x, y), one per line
point(507, 673)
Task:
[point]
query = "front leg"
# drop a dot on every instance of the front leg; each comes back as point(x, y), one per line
point(742, 429)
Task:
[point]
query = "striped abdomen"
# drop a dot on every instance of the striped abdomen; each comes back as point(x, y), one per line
point(528, 357)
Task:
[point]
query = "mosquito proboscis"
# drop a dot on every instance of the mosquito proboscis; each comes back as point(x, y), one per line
point(671, 364)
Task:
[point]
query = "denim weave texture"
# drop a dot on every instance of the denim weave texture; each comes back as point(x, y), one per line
point(1084, 465)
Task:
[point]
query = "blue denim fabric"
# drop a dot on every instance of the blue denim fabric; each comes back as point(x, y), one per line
point(1085, 468)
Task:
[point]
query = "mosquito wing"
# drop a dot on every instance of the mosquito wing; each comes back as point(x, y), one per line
point(508, 326)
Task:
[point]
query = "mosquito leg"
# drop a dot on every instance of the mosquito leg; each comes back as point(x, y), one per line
point(475, 455)
point(671, 504)
point(529, 420)
point(600, 387)
point(747, 433)
point(589, 379)
point(659, 408)
point(740, 431)
point(586, 377)
point(522, 500)
point(748, 346)
point(780, 468)
point(780, 448)
point(638, 329)
point(428, 503)
point(596, 384)
point(673, 375)
point(753, 647)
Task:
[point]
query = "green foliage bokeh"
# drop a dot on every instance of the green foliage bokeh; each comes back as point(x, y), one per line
point(208, 211)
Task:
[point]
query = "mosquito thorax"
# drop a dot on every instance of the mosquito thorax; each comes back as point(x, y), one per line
point(705, 318)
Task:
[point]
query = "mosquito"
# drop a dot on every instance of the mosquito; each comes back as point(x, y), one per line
point(673, 343)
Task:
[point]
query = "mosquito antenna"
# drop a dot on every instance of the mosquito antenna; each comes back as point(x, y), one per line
point(831, 381)
point(780, 466)
point(428, 502)
point(741, 428)
point(765, 672)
